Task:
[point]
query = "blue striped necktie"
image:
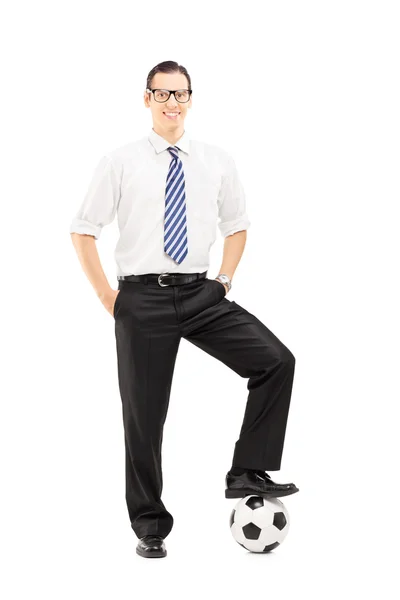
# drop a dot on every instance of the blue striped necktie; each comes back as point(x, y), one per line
point(175, 232)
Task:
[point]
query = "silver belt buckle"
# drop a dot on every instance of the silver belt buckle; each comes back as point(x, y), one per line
point(163, 284)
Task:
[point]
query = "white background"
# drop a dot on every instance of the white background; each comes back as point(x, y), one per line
point(305, 96)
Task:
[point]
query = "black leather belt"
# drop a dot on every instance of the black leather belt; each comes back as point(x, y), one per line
point(164, 279)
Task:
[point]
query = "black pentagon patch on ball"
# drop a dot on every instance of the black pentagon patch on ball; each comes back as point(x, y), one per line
point(271, 547)
point(279, 520)
point(255, 502)
point(232, 518)
point(251, 531)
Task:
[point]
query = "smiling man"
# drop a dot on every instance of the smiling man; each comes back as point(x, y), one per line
point(169, 192)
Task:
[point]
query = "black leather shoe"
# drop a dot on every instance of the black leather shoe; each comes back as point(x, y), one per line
point(151, 546)
point(252, 482)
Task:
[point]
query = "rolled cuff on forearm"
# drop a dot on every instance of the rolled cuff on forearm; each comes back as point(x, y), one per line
point(85, 227)
point(229, 227)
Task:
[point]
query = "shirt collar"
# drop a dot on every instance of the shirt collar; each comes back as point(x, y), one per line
point(160, 144)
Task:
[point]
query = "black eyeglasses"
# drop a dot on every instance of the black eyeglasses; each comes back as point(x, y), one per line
point(181, 96)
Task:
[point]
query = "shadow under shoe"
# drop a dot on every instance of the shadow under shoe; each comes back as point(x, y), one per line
point(151, 546)
point(252, 482)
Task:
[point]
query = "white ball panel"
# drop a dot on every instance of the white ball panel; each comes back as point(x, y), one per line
point(237, 533)
point(263, 517)
point(268, 536)
point(281, 533)
point(243, 514)
point(254, 545)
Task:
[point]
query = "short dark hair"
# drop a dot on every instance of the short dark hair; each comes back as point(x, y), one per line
point(168, 66)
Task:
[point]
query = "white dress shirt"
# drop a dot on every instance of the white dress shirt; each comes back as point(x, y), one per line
point(130, 182)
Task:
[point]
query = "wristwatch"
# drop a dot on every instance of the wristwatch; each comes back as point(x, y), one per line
point(224, 279)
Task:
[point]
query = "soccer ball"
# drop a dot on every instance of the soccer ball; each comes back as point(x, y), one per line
point(259, 524)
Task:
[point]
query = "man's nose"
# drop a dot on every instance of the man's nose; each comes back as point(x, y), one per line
point(172, 102)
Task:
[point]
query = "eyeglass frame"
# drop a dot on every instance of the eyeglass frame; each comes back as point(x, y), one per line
point(170, 92)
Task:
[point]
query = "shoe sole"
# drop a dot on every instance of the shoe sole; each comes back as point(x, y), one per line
point(247, 492)
point(153, 554)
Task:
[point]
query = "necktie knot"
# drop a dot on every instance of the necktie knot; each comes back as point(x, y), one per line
point(173, 150)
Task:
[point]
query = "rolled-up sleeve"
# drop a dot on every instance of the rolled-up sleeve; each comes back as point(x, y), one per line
point(231, 201)
point(100, 203)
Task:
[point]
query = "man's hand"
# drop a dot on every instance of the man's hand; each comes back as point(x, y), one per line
point(225, 286)
point(109, 301)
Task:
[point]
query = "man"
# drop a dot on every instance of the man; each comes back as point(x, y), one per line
point(167, 191)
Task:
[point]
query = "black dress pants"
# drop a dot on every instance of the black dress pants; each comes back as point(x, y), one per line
point(150, 321)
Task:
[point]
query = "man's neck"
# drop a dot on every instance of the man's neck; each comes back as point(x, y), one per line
point(171, 136)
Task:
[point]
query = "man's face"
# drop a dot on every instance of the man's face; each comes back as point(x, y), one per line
point(168, 81)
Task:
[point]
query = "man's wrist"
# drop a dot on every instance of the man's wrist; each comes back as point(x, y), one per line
point(105, 293)
point(225, 280)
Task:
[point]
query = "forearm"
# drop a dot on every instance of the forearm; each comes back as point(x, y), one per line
point(233, 249)
point(85, 246)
